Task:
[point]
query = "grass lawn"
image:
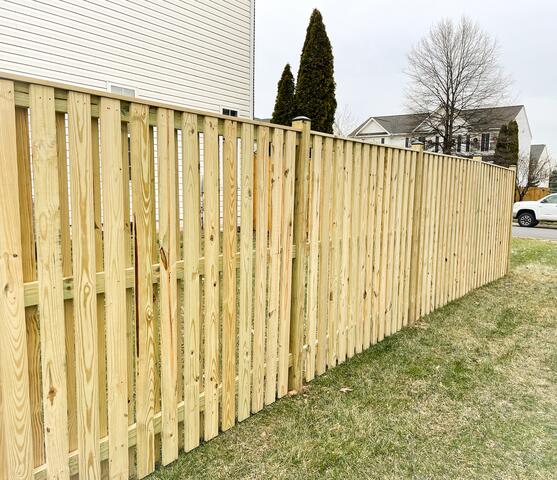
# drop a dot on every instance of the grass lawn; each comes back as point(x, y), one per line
point(469, 392)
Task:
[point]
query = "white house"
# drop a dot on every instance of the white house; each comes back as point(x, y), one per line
point(541, 164)
point(194, 53)
point(476, 135)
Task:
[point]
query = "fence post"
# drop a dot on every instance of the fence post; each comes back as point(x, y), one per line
point(413, 313)
point(300, 238)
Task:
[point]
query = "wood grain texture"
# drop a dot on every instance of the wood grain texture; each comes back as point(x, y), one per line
point(192, 280)
point(168, 252)
point(246, 274)
point(261, 260)
point(378, 251)
point(143, 203)
point(29, 265)
point(371, 218)
point(275, 264)
point(16, 458)
point(229, 242)
point(115, 278)
point(385, 242)
point(286, 263)
point(335, 279)
point(299, 270)
point(325, 220)
point(345, 261)
point(313, 258)
point(84, 267)
point(212, 281)
point(49, 270)
point(362, 247)
point(353, 272)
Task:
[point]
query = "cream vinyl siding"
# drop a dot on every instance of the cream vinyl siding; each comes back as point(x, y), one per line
point(195, 53)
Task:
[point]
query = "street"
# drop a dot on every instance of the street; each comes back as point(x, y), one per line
point(536, 232)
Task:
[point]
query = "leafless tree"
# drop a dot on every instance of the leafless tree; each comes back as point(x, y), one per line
point(452, 72)
point(530, 173)
point(345, 122)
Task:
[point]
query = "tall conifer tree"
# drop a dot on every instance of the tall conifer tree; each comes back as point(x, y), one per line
point(315, 85)
point(284, 103)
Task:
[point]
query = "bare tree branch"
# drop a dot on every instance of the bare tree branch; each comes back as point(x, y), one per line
point(345, 122)
point(531, 172)
point(452, 73)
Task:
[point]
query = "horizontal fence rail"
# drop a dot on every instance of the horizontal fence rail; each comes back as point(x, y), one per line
point(165, 273)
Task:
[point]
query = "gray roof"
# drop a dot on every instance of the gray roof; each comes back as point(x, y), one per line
point(536, 151)
point(396, 124)
point(401, 123)
point(481, 118)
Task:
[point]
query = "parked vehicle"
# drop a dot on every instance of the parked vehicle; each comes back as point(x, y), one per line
point(530, 213)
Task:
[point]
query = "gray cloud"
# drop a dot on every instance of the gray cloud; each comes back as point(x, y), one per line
point(371, 38)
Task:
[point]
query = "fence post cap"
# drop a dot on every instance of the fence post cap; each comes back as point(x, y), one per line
point(418, 146)
point(301, 118)
point(477, 158)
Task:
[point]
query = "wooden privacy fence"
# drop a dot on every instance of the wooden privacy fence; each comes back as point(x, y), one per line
point(134, 325)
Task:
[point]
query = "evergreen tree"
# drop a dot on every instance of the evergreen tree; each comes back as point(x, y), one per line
point(506, 148)
point(513, 143)
point(284, 103)
point(553, 181)
point(315, 85)
point(501, 150)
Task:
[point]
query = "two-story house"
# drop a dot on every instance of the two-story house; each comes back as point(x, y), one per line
point(476, 133)
point(193, 53)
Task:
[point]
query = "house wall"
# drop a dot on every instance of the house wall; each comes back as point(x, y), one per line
point(524, 135)
point(195, 53)
point(394, 140)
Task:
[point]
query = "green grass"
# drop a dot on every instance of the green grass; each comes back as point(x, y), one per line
point(469, 392)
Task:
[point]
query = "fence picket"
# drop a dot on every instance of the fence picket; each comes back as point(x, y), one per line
point(212, 282)
point(335, 279)
point(246, 274)
point(16, 457)
point(325, 220)
point(229, 242)
point(30, 274)
point(286, 262)
point(260, 308)
point(116, 304)
point(192, 281)
point(313, 258)
point(143, 203)
point(168, 230)
point(84, 268)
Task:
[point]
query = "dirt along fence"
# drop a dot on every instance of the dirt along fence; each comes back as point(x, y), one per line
point(140, 314)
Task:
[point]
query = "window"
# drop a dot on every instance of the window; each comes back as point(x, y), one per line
point(422, 140)
point(407, 142)
point(459, 143)
point(436, 143)
point(484, 147)
point(382, 141)
point(118, 89)
point(230, 112)
point(467, 143)
point(552, 199)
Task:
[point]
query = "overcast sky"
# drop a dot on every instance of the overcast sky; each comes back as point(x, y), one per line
point(371, 39)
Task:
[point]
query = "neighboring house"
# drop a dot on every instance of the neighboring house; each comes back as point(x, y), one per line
point(193, 53)
point(476, 135)
point(539, 158)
